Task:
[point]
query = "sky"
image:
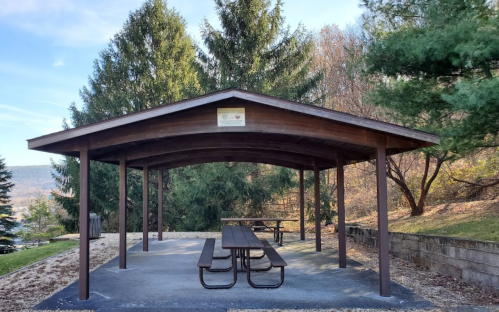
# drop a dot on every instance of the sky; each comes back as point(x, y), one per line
point(47, 50)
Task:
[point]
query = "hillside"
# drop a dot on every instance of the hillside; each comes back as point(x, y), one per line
point(474, 220)
point(29, 181)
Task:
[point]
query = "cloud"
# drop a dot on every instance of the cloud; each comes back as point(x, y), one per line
point(69, 22)
point(59, 63)
point(42, 123)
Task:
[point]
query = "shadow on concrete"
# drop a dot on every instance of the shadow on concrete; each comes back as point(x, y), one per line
point(167, 278)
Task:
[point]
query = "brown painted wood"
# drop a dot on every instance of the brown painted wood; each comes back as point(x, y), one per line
point(259, 118)
point(384, 260)
point(262, 155)
point(240, 237)
point(302, 207)
point(207, 253)
point(84, 287)
point(232, 97)
point(342, 237)
point(122, 211)
point(297, 145)
point(205, 160)
point(257, 219)
point(145, 209)
point(275, 259)
point(160, 205)
point(317, 199)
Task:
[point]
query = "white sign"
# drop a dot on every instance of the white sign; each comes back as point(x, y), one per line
point(231, 117)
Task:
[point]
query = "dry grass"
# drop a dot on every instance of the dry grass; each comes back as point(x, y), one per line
point(474, 220)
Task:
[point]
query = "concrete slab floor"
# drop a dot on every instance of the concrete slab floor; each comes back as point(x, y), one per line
point(167, 278)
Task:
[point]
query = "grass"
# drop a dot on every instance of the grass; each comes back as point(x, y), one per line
point(474, 220)
point(480, 226)
point(13, 261)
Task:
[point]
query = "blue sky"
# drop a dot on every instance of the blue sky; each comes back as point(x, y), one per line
point(47, 49)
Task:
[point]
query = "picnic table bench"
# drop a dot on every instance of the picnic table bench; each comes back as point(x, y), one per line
point(242, 239)
point(276, 229)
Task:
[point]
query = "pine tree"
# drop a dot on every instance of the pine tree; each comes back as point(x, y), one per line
point(7, 223)
point(440, 63)
point(41, 222)
point(254, 51)
point(150, 62)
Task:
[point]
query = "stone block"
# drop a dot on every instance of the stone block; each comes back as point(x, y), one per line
point(461, 242)
point(459, 263)
point(484, 268)
point(412, 237)
point(446, 269)
point(480, 278)
point(411, 244)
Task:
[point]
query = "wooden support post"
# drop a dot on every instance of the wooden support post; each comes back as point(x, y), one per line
point(317, 186)
point(122, 213)
point(342, 237)
point(302, 207)
point(160, 205)
point(384, 260)
point(145, 208)
point(84, 222)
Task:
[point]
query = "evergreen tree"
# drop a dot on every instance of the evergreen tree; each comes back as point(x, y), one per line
point(440, 63)
point(7, 223)
point(150, 62)
point(255, 52)
point(41, 222)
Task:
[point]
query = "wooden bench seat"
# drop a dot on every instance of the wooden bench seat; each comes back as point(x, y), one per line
point(205, 262)
point(278, 234)
point(276, 261)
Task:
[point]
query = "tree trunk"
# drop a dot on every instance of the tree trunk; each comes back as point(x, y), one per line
point(395, 173)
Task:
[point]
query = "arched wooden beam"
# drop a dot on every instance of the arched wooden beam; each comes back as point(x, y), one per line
point(260, 156)
point(205, 160)
point(298, 145)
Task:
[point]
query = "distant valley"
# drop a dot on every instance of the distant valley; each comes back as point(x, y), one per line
point(30, 181)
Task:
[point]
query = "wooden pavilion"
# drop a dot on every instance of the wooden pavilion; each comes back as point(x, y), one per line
point(234, 126)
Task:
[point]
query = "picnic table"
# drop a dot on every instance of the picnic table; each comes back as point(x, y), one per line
point(240, 240)
point(277, 230)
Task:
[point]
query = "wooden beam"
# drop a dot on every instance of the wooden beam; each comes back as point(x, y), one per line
point(122, 211)
point(342, 238)
point(145, 209)
point(298, 145)
point(383, 244)
point(160, 204)
point(231, 98)
point(317, 188)
point(302, 207)
point(259, 119)
point(265, 156)
point(84, 287)
point(204, 160)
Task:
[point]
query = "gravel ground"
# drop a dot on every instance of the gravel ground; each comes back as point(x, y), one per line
point(27, 287)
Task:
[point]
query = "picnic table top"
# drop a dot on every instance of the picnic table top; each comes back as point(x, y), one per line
point(239, 237)
point(256, 219)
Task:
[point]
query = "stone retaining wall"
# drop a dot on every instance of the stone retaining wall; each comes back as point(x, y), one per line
point(473, 261)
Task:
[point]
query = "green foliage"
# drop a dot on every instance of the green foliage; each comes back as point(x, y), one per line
point(327, 198)
point(439, 60)
point(26, 257)
point(150, 62)
point(41, 222)
point(255, 52)
point(441, 57)
point(202, 194)
point(7, 223)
